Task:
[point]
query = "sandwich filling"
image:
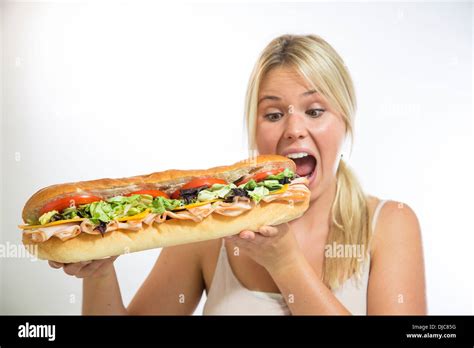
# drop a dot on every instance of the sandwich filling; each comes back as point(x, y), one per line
point(135, 212)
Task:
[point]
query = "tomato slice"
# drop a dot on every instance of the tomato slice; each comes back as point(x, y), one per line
point(153, 193)
point(208, 182)
point(260, 176)
point(203, 182)
point(175, 194)
point(66, 202)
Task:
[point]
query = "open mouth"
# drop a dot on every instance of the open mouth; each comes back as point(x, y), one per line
point(305, 163)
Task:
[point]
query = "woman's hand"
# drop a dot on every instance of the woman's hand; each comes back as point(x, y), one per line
point(87, 269)
point(273, 247)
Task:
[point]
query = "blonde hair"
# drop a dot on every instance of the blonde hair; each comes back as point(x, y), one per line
point(325, 70)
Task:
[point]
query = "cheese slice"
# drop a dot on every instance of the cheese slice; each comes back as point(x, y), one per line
point(283, 189)
point(198, 204)
point(135, 217)
point(60, 222)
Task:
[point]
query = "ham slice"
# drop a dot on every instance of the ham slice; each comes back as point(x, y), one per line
point(68, 233)
point(297, 191)
point(112, 226)
point(237, 207)
point(182, 215)
point(202, 211)
point(148, 220)
point(160, 218)
point(63, 232)
point(88, 227)
point(132, 225)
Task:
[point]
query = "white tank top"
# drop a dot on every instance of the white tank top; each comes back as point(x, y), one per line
point(228, 296)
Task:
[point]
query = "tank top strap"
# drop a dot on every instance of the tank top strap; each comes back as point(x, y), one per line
point(377, 210)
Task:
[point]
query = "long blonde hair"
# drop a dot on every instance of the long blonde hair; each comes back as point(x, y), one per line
point(325, 70)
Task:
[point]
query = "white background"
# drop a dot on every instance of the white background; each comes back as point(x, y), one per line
point(108, 90)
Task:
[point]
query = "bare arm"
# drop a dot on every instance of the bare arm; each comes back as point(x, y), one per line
point(276, 249)
point(396, 281)
point(101, 293)
point(304, 291)
point(174, 286)
point(397, 277)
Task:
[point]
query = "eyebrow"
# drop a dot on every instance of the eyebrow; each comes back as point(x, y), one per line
point(272, 97)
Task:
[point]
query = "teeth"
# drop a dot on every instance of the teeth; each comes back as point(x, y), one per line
point(297, 155)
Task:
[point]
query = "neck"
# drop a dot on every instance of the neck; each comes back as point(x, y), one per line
point(316, 220)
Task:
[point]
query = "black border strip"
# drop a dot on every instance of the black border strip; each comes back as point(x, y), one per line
point(133, 330)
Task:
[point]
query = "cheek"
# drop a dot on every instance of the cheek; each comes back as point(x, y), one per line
point(330, 139)
point(268, 134)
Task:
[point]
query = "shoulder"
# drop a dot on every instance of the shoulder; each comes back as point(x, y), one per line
point(399, 211)
point(396, 280)
point(397, 225)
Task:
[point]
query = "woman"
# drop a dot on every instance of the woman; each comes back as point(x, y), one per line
point(348, 254)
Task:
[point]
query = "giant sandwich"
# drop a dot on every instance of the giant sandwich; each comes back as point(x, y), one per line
point(100, 218)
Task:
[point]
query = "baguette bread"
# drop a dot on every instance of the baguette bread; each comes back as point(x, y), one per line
point(171, 232)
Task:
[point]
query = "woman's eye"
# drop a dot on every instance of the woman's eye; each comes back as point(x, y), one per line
point(314, 113)
point(274, 116)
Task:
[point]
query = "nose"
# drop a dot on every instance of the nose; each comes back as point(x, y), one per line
point(295, 127)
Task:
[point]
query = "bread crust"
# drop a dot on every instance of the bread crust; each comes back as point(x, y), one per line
point(172, 232)
point(166, 181)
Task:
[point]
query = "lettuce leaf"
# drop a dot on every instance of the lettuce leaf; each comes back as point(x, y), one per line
point(286, 173)
point(215, 191)
point(160, 204)
point(46, 217)
point(70, 213)
point(258, 193)
point(270, 184)
point(100, 211)
point(250, 185)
